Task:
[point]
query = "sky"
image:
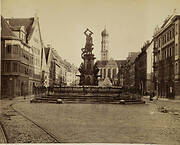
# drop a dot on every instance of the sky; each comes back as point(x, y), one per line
point(62, 22)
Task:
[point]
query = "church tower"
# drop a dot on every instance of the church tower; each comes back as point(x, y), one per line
point(104, 45)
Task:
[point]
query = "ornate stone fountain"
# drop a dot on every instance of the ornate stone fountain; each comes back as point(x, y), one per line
point(88, 70)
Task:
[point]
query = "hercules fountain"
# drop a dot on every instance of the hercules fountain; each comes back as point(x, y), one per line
point(88, 70)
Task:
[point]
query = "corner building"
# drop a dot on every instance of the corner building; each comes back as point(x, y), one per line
point(167, 58)
point(21, 57)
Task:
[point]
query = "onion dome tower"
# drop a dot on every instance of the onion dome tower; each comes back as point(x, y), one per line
point(104, 45)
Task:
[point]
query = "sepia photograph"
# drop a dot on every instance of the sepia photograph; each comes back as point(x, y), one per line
point(90, 72)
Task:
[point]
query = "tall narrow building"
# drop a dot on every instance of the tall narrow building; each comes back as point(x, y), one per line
point(104, 45)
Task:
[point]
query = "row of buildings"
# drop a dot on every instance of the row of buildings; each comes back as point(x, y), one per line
point(155, 68)
point(26, 62)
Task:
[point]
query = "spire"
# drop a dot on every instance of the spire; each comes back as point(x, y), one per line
point(104, 32)
point(104, 44)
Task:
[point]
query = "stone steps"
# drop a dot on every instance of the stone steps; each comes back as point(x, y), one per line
point(85, 100)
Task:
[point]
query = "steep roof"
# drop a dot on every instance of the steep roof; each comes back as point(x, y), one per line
point(103, 63)
point(5, 29)
point(133, 58)
point(18, 22)
point(120, 62)
point(112, 62)
point(56, 56)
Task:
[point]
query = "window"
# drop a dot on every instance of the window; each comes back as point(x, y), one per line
point(22, 36)
point(159, 43)
point(26, 71)
point(170, 36)
point(17, 82)
point(176, 29)
point(8, 66)
point(162, 40)
point(176, 68)
point(109, 73)
point(22, 69)
point(104, 73)
point(170, 51)
point(15, 49)
point(114, 72)
point(101, 72)
point(172, 32)
point(19, 68)
point(14, 67)
point(165, 37)
point(8, 48)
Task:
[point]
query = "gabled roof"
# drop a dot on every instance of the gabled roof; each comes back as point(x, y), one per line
point(5, 29)
point(131, 58)
point(19, 22)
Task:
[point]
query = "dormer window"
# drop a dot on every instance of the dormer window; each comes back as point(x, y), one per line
point(22, 34)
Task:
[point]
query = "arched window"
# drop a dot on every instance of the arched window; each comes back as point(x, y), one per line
point(176, 68)
point(104, 73)
point(109, 73)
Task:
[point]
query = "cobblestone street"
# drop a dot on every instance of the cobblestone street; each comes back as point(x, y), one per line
point(17, 128)
point(107, 123)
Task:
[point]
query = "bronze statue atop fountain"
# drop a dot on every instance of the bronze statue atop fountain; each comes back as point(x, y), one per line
point(88, 70)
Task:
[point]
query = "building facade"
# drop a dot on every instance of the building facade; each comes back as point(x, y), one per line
point(167, 58)
point(72, 78)
point(126, 74)
point(150, 70)
point(141, 70)
point(109, 70)
point(21, 56)
point(61, 72)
